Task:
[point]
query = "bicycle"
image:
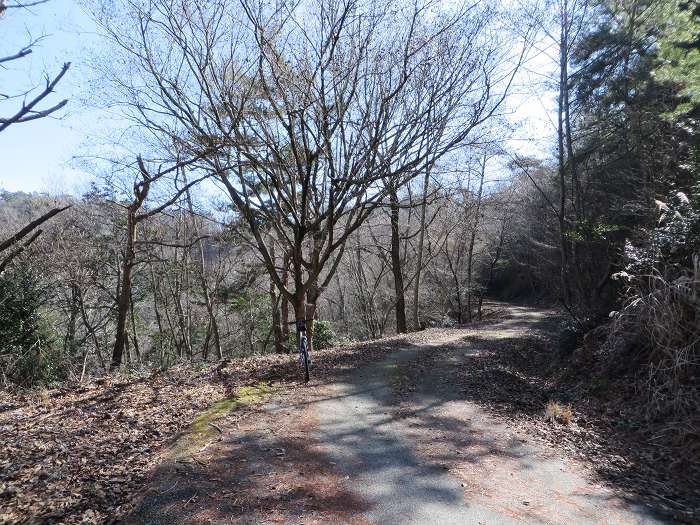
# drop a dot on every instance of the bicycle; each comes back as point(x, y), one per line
point(304, 358)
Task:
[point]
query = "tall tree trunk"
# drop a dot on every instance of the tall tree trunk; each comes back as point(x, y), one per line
point(472, 238)
point(133, 325)
point(421, 242)
point(141, 189)
point(563, 88)
point(314, 291)
point(124, 289)
point(209, 301)
point(285, 302)
point(396, 270)
point(312, 295)
point(299, 311)
point(275, 309)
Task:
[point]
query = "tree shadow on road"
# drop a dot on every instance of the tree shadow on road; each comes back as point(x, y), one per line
point(515, 377)
point(273, 468)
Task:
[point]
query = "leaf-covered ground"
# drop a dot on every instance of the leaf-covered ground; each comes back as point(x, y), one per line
point(515, 377)
point(82, 454)
point(85, 454)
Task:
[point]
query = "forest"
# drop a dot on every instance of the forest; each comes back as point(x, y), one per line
point(361, 166)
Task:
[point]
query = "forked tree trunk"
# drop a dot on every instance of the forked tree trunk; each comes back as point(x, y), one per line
point(141, 189)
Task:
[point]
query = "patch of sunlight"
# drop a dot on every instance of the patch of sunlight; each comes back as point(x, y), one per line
point(204, 428)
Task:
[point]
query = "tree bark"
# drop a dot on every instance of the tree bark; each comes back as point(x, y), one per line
point(421, 242)
point(133, 325)
point(396, 270)
point(141, 189)
point(472, 238)
point(275, 310)
point(285, 302)
point(563, 88)
point(124, 289)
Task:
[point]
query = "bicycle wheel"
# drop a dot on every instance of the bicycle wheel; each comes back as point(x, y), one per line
point(304, 359)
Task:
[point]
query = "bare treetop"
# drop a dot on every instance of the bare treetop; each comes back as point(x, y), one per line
point(308, 107)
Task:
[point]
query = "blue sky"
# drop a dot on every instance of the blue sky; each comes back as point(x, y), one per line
point(38, 156)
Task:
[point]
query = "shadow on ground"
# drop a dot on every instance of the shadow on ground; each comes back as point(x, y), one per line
point(514, 377)
point(397, 440)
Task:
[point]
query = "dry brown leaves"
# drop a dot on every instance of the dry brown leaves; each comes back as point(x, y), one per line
point(77, 456)
point(80, 455)
point(265, 467)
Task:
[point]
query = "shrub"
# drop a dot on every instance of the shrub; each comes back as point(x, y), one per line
point(656, 333)
point(26, 354)
point(555, 412)
point(660, 326)
point(324, 336)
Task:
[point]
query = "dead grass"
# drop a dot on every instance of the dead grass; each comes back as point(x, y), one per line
point(658, 333)
point(557, 413)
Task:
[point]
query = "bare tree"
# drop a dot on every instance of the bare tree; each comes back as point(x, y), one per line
point(308, 108)
point(29, 110)
point(135, 215)
point(396, 266)
point(19, 241)
point(475, 223)
point(563, 23)
point(421, 245)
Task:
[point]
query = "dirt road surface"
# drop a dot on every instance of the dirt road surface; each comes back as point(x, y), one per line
point(392, 441)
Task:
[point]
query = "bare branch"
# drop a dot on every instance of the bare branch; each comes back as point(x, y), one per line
point(30, 227)
point(28, 113)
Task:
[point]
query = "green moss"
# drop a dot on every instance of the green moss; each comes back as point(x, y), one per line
point(202, 429)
